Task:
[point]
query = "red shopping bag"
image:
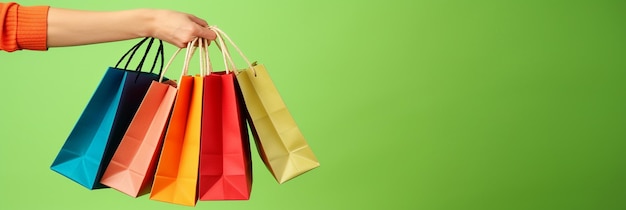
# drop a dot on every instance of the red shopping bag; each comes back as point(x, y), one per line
point(225, 171)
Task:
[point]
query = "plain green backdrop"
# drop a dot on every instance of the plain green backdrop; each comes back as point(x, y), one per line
point(408, 104)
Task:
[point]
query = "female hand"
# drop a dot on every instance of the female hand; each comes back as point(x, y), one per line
point(179, 28)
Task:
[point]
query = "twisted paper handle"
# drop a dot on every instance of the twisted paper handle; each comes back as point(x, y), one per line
point(205, 60)
point(221, 35)
point(189, 52)
point(225, 54)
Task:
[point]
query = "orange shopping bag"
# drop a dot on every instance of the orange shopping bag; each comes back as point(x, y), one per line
point(176, 177)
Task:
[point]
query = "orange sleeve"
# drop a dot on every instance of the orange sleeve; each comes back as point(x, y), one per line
point(23, 27)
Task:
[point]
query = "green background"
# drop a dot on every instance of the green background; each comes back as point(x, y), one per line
point(415, 104)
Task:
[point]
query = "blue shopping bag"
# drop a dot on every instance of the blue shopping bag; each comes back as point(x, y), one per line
point(100, 128)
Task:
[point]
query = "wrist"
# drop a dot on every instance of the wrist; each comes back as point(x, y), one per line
point(146, 22)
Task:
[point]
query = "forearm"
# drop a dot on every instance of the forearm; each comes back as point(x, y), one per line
point(74, 27)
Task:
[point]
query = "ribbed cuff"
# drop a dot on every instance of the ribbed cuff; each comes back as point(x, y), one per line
point(32, 27)
point(9, 27)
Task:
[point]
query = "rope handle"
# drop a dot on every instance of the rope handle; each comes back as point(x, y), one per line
point(225, 54)
point(136, 47)
point(205, 60)
point(188, 54)
point(221, 36)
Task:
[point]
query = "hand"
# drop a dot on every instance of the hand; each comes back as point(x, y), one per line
point(179, 28)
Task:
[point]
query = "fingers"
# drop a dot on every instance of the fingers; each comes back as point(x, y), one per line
point(181, 28)
point(183, 37)
point(204, 32)
point(199, 21)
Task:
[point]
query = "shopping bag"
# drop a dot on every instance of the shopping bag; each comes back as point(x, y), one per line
point(279, 141)
point(176, 176)
point(96, 135)
point(132, 167)
point(225, 163)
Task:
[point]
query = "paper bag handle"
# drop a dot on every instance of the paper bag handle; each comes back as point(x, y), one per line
point(205, 62)
point(136, 47)
point(221, 33)
point(188, 53)
point(228, 62)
